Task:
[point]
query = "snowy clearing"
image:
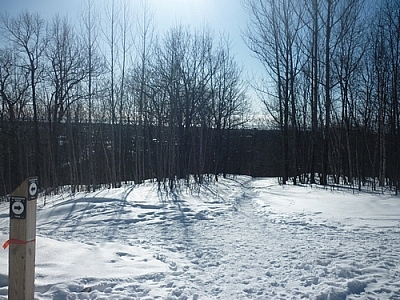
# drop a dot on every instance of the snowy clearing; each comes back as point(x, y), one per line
point(241, 238)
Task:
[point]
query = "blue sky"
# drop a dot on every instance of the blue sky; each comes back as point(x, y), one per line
point(222, 16)
point(226, 17)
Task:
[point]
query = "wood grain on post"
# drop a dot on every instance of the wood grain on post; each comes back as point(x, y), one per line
point(21, 272)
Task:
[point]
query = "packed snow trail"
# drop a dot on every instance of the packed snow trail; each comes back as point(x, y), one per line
point(241, 238)
point(248, 253)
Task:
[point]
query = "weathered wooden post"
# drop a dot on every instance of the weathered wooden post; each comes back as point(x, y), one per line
point(21, 268)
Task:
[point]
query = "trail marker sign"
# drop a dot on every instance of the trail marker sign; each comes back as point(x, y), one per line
point(22, 241)
point(32, 188)
point(17, 207)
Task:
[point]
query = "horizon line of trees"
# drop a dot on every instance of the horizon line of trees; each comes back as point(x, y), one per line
point(111, 68)
point(333, 70)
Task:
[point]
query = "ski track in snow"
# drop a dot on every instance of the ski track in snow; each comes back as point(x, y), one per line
point(230, 241)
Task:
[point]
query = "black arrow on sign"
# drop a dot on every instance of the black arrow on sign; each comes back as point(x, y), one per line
point(17, 207)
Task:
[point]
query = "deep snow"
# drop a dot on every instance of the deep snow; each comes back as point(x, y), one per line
point(240, 238)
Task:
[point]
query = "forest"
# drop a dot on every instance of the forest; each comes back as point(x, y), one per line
point(108, 100)
point(333, 70)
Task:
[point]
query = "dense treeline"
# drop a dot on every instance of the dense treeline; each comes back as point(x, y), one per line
point(147, 102)
point(235, 155)
point(244, 151)
point(333, 70)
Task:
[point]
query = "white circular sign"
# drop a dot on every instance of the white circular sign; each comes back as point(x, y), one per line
point(33, 189)
point(18, 208)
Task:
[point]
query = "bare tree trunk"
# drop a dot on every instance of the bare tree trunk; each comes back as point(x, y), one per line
point(314, 98)
point(90, 35)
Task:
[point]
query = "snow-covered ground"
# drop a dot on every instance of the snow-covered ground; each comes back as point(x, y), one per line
point(240, 238)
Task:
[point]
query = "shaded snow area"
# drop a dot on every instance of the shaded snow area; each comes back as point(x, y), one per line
point(240, 238)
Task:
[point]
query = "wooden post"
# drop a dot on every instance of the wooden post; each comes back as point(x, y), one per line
point(21, 271)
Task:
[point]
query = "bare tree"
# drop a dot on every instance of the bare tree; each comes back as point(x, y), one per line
point(14, 85)
point(111, 37)
point(385, 51)
point(145, 50)
point(125, 49)
point(26, 34)
point(90, 39)
point(14, 94)
point(66, 70)
point(273, 34)
point(392, 16)
point(228, 102)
